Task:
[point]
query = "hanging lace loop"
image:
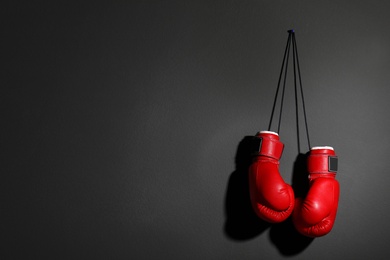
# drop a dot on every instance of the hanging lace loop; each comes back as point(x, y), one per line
point(291, 42)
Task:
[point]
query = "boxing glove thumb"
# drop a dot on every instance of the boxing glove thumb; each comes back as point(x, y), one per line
point(272, 199)
point(315, 214)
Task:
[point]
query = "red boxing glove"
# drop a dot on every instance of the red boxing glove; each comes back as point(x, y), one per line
point(314, 215)
point(272, 199)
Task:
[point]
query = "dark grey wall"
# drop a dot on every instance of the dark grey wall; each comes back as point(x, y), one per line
point(121, 123)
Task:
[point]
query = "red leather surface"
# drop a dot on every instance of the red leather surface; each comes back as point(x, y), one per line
point(272, 199)
point(314, 215)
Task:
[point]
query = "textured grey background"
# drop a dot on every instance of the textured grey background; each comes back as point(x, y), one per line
point(121, 122)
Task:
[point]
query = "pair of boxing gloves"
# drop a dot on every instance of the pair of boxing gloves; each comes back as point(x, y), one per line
point(273, 200)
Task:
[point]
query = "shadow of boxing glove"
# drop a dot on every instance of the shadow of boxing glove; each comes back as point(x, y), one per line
point(272, 199)
point(315, 214)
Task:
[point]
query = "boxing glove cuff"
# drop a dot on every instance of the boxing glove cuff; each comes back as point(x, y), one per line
point(268, 144)
point(322, 160)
